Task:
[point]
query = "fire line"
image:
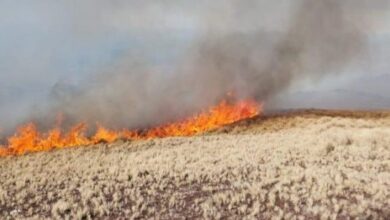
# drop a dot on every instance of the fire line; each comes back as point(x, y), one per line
point(28, 139)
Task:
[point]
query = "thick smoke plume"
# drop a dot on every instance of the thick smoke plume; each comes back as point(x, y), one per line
point(231, 54)
point(319, 40)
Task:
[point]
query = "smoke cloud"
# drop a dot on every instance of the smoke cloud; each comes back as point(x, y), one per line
point(232, 51)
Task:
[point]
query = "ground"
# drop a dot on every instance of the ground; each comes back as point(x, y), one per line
point(291, 165)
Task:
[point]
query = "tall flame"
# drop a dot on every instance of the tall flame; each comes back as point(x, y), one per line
point(29, 139)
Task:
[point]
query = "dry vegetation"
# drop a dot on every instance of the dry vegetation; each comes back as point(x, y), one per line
point(297, 165)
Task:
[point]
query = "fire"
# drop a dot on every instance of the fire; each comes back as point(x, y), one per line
point(29, 139)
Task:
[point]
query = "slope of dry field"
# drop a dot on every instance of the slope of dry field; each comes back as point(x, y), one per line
point(295, 165)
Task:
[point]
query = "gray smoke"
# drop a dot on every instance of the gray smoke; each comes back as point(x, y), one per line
point(233, 53)
point(318, 41)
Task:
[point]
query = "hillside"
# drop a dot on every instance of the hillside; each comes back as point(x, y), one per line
point(313, 164)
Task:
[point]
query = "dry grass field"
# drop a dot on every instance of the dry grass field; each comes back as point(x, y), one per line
point(293, 165)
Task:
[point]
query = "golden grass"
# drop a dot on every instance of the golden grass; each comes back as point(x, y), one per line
point(295, 165)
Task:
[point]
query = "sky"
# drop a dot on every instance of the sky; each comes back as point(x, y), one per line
point(46, 42)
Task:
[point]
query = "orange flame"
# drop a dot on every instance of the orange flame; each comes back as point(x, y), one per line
point(29, 139)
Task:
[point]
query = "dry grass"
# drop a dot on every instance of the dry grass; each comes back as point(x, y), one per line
point(297, 165)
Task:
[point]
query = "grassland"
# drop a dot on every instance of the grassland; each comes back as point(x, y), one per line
point(291, 165)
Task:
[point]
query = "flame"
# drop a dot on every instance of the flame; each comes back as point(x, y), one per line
point(29, 139)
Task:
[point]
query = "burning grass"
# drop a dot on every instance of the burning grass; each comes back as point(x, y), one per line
point(29, 139)
point(310, 165)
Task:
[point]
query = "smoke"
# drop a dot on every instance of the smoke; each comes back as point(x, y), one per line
point(232, 52)
point(319, 40)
